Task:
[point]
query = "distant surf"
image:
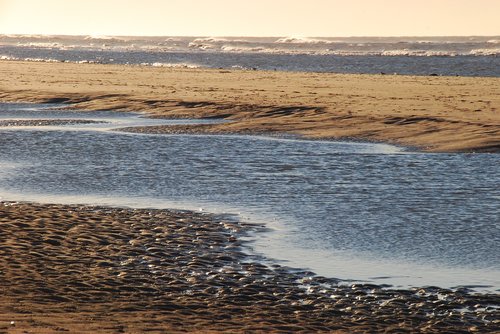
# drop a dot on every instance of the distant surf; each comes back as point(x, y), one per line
point(463, 56)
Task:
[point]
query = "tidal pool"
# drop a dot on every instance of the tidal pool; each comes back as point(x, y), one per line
point(355, 211)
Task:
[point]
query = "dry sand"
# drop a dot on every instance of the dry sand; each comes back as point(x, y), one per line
point(70, 268)
point(441, 114)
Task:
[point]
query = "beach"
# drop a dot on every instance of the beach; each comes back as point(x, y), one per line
point(98, 269)
point(88, 269)
point(434, 114)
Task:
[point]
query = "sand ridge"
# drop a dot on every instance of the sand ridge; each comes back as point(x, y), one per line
point(45, 122)
point(437, 114)
point(88, 269)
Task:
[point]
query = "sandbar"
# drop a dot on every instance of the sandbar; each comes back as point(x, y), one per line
point(435, 114)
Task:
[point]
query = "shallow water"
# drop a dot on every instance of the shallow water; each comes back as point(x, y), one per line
point(367, 212)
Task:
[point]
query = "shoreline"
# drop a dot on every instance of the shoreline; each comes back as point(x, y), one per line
point(434, 114)
point(120, 270)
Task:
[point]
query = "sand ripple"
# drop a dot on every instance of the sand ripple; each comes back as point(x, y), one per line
point(98, 269)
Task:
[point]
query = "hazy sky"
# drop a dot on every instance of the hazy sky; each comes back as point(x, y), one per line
point(313, 18)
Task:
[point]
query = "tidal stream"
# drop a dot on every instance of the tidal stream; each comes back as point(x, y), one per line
point(354, 211)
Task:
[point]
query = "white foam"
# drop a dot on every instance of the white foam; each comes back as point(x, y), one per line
point(34, 36)
point(493, 41)
point(217, 40)
point(239, 67)
point(46, 60)
point(103, 38)
point(4, 57)
point(173, 39)
point(209, 40)
point(201, 46)
point(40, 45)
point(171, 65)
point(303, 40)
point(417, 53)
point(485, 52)
point(402, 52)
point(87, 62)
point(42, 60)
point(232, 48)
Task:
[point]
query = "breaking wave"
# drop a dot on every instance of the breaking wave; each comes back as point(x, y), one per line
point(417, 53)
point(217, 40)
point(210, 40)
point(243, 49)
point(49, 45)
point(104, 38)
point(304, 40)
point(28, 36)
point(87, 61)
point(292, 45)
point(485, 52)
point(478, 56)
point(201, 46)
point(46, 60)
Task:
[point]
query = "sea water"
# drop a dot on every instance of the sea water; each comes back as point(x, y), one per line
point(463, 56)
point(354, 211)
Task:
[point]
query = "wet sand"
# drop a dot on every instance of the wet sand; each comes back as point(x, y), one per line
point(46, 122)
point(110, 270)
point(437, 114)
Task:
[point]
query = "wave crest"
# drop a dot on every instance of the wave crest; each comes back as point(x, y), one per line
point(303, 40)
point(418, 53)
point(103, 38)
point(41, 45)
point(201, 46)
point(242, 49)
point(485, 52)
point(202, 40)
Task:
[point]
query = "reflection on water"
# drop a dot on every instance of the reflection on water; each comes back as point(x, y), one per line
point(350, 210)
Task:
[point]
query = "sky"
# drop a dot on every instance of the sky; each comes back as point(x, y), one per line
point(311, 18)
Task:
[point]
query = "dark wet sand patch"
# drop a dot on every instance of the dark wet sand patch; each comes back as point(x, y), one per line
point(46, 122)
point(97, 269)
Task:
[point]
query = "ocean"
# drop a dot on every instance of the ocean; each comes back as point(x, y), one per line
point(450, 56)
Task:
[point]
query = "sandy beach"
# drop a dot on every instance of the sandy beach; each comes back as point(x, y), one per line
point(85, 269)
point(436, 114)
